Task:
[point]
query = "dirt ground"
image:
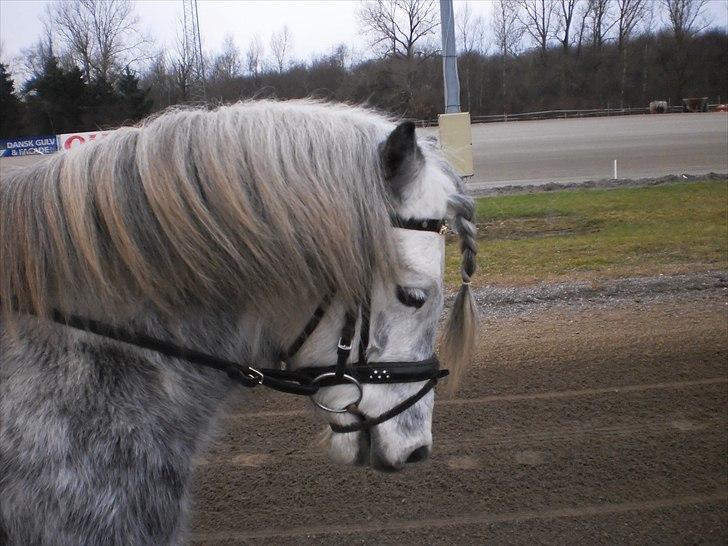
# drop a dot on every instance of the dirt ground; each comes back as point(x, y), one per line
point(589, 417)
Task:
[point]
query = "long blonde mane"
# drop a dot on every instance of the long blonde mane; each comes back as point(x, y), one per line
point(262, 205)
point(248, 205)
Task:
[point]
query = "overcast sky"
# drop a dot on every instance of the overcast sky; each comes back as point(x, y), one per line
point(317, 25)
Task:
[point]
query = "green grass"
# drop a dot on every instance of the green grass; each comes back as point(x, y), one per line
point(590, 234)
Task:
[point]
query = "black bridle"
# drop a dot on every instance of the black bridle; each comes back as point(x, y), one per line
point(304, 381)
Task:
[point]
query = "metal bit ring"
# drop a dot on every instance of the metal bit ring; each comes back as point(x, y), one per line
point(351, 380)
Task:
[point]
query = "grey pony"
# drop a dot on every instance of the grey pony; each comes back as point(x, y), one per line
point(196, 226)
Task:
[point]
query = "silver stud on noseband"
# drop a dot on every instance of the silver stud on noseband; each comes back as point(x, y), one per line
point(348, 378)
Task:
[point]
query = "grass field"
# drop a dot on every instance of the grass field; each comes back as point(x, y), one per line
point(591, 234)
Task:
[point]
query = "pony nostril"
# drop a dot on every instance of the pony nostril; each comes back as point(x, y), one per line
point(419, 455)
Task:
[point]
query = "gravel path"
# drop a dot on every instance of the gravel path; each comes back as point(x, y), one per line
point(499, 301)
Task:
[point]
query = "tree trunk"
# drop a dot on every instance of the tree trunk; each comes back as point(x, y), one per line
point(623, 79)
point(503, 83)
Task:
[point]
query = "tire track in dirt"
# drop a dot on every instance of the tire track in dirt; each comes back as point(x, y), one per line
point(615, 463)
point(495, 436)
point(514, 419)
point(309, 532)
point(513, 397)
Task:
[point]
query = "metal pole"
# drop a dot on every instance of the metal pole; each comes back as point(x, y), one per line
point(193, 50)
point(199, 44)
point(201, 64)
point(449, 57)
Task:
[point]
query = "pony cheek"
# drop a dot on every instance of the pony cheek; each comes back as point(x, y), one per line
point(423, 252)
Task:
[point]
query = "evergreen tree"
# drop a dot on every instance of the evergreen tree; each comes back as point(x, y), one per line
point(56, 100)
point(102, 105)
point(134, 102)
point(11, 119)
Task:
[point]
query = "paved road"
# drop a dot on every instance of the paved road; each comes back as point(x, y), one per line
point(537, 152)
point(561, 435)
point(574, 150)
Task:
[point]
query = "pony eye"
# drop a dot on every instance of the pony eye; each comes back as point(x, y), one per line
point(411, 297)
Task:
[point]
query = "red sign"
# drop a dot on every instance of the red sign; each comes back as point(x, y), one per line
point(71, 140)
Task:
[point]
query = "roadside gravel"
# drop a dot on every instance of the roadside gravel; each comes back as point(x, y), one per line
point(603, 183)
point(502, 301)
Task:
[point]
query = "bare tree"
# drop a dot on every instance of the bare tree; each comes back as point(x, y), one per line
point(581, 33)
point(73, 25)
point(253, 56)
point(281, 44)
point(646, 66)
point(341, 55)
point(565, 17)
point(598, 21)
point(508, 32)
point(506, 26)
point(183, 65)
point(32, 59)
point(470, 36)
point(401, 32)
point(685, 17)
point(470, 29)
point(399, 28)
point(226, 65)
point(629, 15)
point(538, 18)
point(159, 78)
point(101, 35)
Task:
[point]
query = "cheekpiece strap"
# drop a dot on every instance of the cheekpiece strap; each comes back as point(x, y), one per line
point(343, 350)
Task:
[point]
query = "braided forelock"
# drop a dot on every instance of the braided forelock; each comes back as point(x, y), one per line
point(459, 337)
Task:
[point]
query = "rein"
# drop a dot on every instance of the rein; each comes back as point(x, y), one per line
point(309, 380)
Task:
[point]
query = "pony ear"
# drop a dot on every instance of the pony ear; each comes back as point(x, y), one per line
point(399, 153)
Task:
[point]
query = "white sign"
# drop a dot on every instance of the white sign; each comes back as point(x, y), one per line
point(71, 140)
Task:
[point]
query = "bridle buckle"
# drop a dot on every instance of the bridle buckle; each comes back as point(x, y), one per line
point(343, 346)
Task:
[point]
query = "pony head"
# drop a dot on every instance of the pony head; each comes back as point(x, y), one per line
point(404, 311)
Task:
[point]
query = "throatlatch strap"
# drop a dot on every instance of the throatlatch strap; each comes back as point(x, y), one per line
point(311, 325)
point(290, 382)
